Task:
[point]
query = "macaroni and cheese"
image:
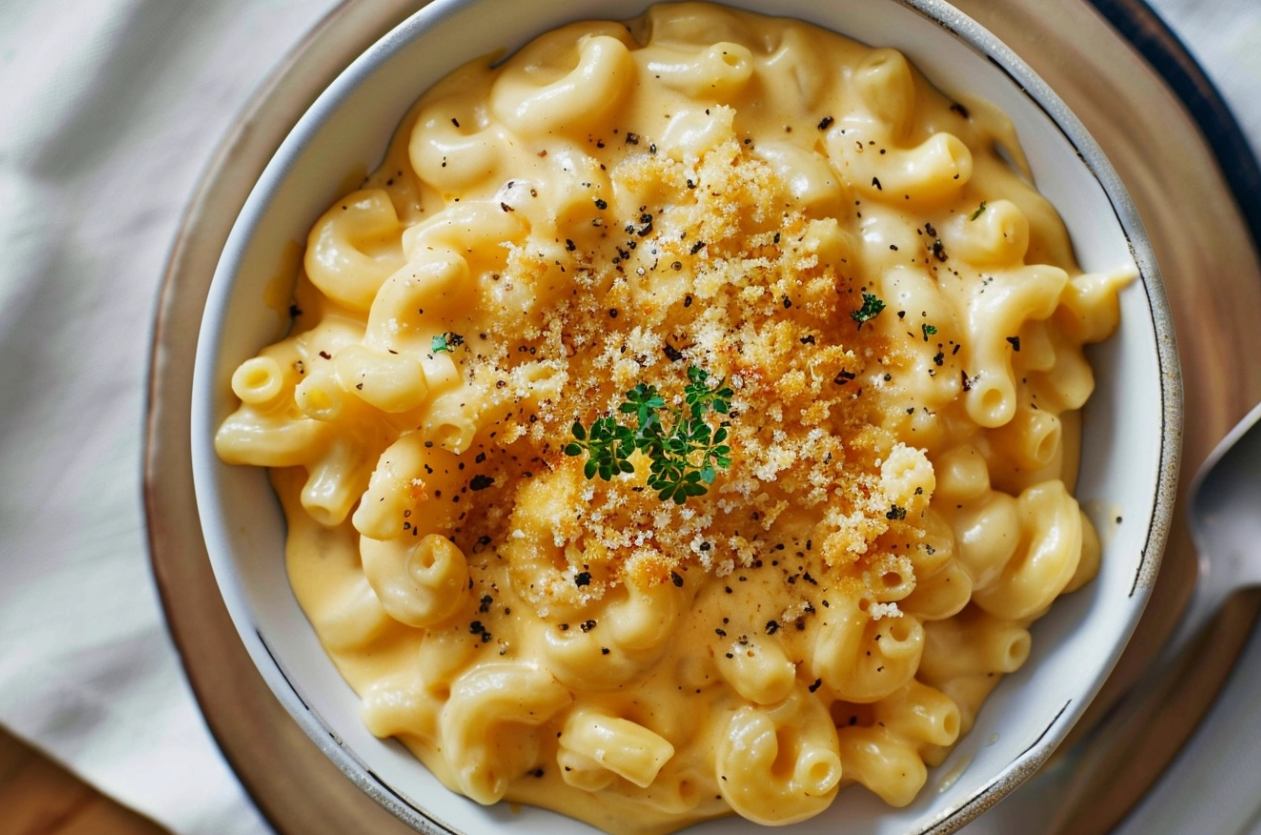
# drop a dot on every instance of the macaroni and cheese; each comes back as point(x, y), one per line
point(856, 328)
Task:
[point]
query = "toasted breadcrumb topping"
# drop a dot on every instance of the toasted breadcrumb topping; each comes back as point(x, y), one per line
point(727, 272)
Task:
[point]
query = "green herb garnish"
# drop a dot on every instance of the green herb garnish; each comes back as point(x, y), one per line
point(684, 451)
point(445, 342)
point(979, 211)
point(871, 309)
point(929, 330)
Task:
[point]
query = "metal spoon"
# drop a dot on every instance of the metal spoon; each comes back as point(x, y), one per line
point(1225, 515)
point(1224, 510)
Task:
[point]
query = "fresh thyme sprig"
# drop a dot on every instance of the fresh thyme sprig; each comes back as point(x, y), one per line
point(684, 451)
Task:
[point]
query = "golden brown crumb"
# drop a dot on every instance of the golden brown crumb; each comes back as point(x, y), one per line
point(733, 277)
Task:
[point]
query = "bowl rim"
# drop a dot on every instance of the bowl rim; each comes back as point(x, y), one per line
point(982, 42)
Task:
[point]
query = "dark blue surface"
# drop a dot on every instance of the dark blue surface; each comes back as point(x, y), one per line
point(1139, 24)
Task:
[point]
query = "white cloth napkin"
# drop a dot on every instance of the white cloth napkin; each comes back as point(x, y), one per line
point(110, 111)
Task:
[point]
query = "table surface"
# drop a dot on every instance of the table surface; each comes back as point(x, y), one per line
point(40, 797)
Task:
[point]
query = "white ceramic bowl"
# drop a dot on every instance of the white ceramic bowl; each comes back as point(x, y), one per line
point(1132, 425)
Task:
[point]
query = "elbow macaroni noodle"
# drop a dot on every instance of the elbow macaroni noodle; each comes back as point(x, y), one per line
point(614, 203)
